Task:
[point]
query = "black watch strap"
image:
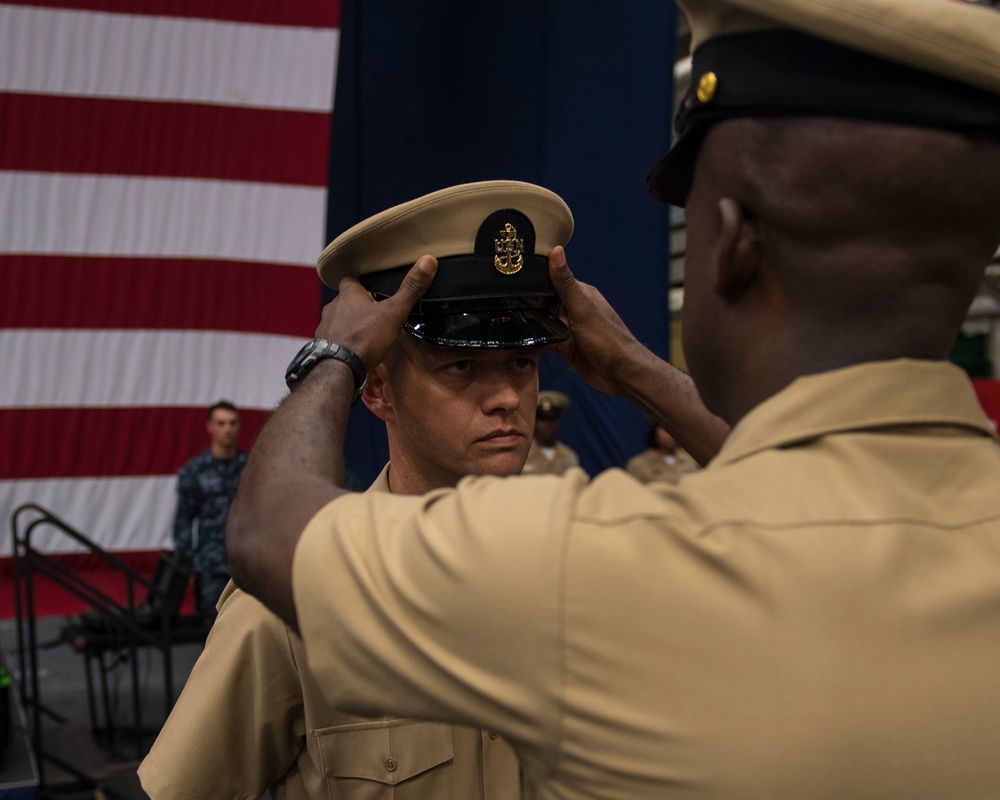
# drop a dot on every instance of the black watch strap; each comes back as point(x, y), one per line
point(319, 349)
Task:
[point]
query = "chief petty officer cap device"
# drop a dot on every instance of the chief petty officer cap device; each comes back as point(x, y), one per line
point(551, 404)
point(491, 240)
point(931, 63)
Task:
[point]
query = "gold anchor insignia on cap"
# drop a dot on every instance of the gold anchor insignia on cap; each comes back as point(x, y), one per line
point(509, 256)
point(707, 85)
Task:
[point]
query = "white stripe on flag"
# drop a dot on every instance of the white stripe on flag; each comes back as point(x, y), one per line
point(90, 54)
point(83, 368)
point(167, 217)
point(117, 513)
point(179, 67)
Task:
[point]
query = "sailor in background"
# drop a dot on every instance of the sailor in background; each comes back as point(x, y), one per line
point(663, 460)
point(549, 456)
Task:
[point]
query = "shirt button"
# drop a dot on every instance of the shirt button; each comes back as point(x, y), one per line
point(390, 764)
point(494, 734)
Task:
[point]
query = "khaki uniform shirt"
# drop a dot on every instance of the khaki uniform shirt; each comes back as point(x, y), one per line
point(538, 463)
point(814, 615)
point(652, 465)
point(251, 718)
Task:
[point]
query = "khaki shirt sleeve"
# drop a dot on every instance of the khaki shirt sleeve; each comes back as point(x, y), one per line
point(238, 725)
point(445, 606)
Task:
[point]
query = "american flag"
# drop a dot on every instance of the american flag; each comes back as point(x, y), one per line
point(163, 173)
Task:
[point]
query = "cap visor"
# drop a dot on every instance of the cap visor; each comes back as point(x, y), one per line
point(526, 328)
point(670, 180)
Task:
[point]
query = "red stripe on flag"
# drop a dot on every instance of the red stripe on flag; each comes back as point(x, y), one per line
point(988, 392)
point(44, 291)
point(164, 139)
point(298, 13)
point(107, 442)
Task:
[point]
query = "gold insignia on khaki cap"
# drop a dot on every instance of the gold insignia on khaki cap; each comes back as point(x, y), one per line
point(930, 63)
point(491, 239)
point(551, 404)
point(707, 85)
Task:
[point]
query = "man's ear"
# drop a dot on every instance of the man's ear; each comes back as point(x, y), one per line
point(739, 250)
point(375, 396)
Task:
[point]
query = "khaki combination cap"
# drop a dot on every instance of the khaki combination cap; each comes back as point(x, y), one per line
point(491, 240)
point(930, 63)
point(551, 404)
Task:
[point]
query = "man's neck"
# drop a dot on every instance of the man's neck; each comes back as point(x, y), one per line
point(408, 474)
point(408, 481)
point(222, 452)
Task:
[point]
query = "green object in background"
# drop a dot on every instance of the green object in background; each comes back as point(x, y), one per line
point(972, 353)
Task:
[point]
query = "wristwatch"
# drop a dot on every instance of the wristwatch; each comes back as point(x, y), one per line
point(315, 351)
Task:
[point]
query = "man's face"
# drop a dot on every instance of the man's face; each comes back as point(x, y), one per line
point(452, 412)
point(224, 428)
point(547, 430)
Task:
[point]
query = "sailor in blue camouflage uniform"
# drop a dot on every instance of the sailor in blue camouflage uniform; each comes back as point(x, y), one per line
point(205, 488)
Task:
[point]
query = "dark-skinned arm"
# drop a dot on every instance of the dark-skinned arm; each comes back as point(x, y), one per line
point(606, 354)
point(296, 465)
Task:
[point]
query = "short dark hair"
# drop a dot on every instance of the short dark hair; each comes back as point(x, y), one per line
point(225, 405)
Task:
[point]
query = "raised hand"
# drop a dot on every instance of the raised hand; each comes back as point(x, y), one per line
point(370, 329)
point(600, 344)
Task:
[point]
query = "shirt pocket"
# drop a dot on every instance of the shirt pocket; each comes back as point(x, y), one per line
point(387, 759)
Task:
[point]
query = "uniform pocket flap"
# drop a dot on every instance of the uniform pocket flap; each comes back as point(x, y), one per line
point(388, 752)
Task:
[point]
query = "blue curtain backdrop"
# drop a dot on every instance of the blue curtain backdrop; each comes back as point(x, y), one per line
point(573, 96)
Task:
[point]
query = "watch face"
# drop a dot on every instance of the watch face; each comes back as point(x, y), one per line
point(304, 361)
point(309, 348)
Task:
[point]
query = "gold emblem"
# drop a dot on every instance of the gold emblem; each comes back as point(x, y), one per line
point(510, 251)
point(707, 86)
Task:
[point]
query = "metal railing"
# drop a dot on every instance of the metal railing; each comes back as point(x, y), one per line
point(130, 633)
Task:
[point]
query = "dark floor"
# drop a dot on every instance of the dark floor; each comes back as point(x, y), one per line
point(85, 756)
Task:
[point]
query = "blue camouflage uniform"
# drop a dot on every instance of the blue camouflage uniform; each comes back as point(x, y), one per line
point(205, 489)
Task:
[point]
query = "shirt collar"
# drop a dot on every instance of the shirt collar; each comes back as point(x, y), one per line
point(381, 483)
point(862, 397)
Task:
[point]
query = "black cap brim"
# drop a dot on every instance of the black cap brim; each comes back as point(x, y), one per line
point(489, 330)
point(781, 72)
point(670, 180)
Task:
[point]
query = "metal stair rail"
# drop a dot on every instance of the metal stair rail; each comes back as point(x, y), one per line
point(29, 562)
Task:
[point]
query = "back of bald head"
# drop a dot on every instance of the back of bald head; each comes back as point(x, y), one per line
point(825, 180)
point(865, 219)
